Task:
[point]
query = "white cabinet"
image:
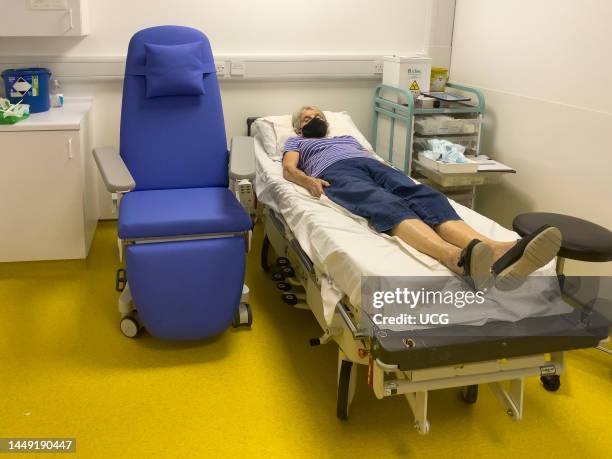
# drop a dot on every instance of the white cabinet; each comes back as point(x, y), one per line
point(44, 18)
point(48, 191)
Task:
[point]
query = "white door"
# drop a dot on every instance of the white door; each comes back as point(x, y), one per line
point(41, 196)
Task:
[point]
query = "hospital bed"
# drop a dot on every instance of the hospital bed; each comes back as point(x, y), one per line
point(323, 253)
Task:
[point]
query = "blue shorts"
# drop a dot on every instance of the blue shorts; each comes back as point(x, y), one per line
point(383, 195)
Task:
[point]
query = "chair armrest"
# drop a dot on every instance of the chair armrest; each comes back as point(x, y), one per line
point(242, 158)
point(115, 173)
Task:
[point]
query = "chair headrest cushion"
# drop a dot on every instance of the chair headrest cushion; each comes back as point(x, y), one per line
point(175, 70)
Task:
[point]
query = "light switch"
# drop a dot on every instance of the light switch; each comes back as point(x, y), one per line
point(238, 68)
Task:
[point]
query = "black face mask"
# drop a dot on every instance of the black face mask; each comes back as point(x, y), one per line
point(316, 128)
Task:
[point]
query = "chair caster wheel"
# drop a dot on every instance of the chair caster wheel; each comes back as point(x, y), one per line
point(288, 271)
point(283, 286)
point(551, 383)
point(469, 394)
point(129, 327)
point(282, 261)
point(243, 317)
point(278, 277)
point(290, 299)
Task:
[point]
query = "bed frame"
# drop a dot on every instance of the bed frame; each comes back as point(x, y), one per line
point(412, 363)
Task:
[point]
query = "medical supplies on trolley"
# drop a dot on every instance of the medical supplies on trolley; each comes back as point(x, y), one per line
point(403, 131)
point(443, 125)
point(439, 78)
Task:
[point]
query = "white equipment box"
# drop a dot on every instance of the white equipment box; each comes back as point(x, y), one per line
point(409, 73)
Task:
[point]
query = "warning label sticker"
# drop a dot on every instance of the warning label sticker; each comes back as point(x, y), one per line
point(415, 86)
point(21, 86)
point(25, 86)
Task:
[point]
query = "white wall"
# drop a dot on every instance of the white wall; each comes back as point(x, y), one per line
point(546, 70)
point(251, 27)
point(265, 27)
point(441, 20)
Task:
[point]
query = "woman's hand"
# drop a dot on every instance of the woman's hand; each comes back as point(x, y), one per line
point(315, 186)
point(293, 174)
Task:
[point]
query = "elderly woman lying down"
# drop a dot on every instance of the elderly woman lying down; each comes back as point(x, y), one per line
point(349, 175)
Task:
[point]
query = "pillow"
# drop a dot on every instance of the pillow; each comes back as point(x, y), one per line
point(273, 131)
point(263, 129)
point(174, 70)
point(341, 123)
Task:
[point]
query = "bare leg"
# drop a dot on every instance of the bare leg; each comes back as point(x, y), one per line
point(459, 233)
point(424, 239)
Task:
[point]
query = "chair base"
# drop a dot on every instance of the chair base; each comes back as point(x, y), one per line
point(185, 290)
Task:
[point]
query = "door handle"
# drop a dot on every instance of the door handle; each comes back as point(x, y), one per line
point(70, 20)
point(70, 155)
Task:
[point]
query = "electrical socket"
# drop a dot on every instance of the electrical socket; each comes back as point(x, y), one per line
point(221, 68)
point(378, 68)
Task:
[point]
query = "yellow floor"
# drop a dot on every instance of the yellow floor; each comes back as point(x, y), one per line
point(66, 371)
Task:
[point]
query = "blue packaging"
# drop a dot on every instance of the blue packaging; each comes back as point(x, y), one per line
point(30, 85)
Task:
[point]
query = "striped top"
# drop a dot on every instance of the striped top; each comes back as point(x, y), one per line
point(316, 155)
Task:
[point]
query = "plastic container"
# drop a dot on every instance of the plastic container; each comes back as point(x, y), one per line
point(439, 78)
point(30, 85)
point(444, 125)
point(471, 167)
point(470, 143)
point(57, 98)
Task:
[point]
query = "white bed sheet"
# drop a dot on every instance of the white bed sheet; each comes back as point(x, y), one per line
point(343, 247)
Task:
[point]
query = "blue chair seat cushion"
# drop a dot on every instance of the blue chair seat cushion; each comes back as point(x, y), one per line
point(180, 212)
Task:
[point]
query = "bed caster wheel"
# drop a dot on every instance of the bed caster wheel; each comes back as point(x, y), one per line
point(282, 261)
point(129, 327)
point(283, 286)
point(551, 383)
point(278, 277)
point(469, 394)
point(288, 271)
point(344, 381)
point(290, 299)
point(243, 317)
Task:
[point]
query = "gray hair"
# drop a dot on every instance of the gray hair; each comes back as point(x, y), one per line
point(296, 118)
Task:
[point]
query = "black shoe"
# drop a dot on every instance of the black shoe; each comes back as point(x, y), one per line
point(476, 261)
point(528, 255)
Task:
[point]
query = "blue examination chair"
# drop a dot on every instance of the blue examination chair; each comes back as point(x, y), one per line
point(184, 234)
